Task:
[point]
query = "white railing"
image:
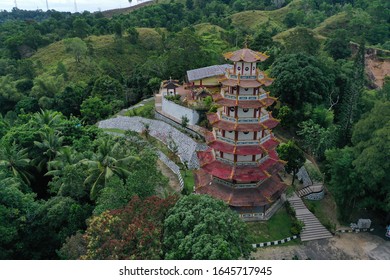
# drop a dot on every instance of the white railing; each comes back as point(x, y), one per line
point(250, 97)
point(263, 96)
point(264, 139)
point(247, 142)
point(239, 120)
point(248, 120)
point(230, 184)
point(227, 140)
point(225, 160)
point(246, 163)
point(247, 77)
point(229, 96)
point(264, 118)
point(263, 159)
point(231, 119)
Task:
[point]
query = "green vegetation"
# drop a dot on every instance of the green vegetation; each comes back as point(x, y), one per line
point(60, 73)
point(146, 110)
point(189, 181)
point(276, 228)
point(200, 227)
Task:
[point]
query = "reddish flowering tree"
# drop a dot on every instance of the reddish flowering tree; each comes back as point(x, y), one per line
point(133, 232)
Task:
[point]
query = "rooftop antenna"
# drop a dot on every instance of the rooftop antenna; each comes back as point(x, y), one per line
point(47, 5)
point(75, 6)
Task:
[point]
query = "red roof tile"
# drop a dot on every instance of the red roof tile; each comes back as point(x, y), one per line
point(241, 83)
point(265, 194)
point(234, 149)
point(246, 55)
point(270, 144)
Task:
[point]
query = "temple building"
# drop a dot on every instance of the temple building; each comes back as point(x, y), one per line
point(241, 165)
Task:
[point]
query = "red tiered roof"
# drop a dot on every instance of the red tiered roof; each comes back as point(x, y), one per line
point(265, 194)
point(215, 121)
point(231, 148)
point(246, 55)
point(241, 83)
point(243, 174)
point(219, 99)
point(270, 144)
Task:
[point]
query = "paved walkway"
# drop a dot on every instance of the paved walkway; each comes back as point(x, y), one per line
point(164, 132)
point(312, 229)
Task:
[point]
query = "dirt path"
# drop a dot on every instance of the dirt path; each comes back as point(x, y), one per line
point(345, 246)
point(173, 185)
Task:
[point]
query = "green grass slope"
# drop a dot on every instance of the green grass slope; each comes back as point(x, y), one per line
point(104, 49)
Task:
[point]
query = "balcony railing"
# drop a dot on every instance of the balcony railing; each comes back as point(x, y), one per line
point(238, 163)
point(250, 97)
point(239, 142)
point(264, 118)
point(264, 139)
point(263, 159)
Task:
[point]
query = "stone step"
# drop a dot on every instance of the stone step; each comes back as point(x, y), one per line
point(315, 230)
point(312, 228)
point(309, 234)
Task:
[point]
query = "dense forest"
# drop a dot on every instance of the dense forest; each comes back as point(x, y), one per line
point(67, 188)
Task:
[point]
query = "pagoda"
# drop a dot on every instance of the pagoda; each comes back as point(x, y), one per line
point(241, 165)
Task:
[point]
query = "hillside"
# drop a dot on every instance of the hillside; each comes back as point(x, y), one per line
point(123, 11)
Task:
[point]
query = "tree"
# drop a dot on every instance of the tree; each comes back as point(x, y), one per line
point(317, 139)
point(299, 80)
point(352, 97)
point(49, 146)
point(54, 220)
point(294, 156)
point(77, 47)
point(105, 163)
point(16, 211)
point(371, 142)
point(94, 109)
point(16, 160)
point(201, 227)
point(80, 27)
point(338, 45)
point(133, 232)
point(69, 100)
point(302, 40)
point(186, 52)
point(108, 89)
point(143, 181)
point(133, 35)
point(344, 182)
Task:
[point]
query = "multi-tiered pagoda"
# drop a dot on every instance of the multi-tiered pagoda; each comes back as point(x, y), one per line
point(241, 165)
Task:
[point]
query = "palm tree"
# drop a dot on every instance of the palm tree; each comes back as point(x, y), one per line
point(47, 118)
point(49, 145)
point(108, 161)
point(65, 156)
point(17, 161)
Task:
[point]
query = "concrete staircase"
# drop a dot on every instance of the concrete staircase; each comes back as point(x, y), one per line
point(312, 229)
point(305, 191)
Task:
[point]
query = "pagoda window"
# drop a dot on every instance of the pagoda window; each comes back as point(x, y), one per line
point(231, 109)
point(246, 68)
point(246, 89)
point(238, 68)
point(231, 131)
point(246, 132)
point(245, 110)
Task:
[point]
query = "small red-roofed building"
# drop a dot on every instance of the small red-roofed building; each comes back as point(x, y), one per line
point(241, 166)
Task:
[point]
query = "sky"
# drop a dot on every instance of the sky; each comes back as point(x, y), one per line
point(67, 5)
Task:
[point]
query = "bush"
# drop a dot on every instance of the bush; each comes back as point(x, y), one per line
point(297, 226)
